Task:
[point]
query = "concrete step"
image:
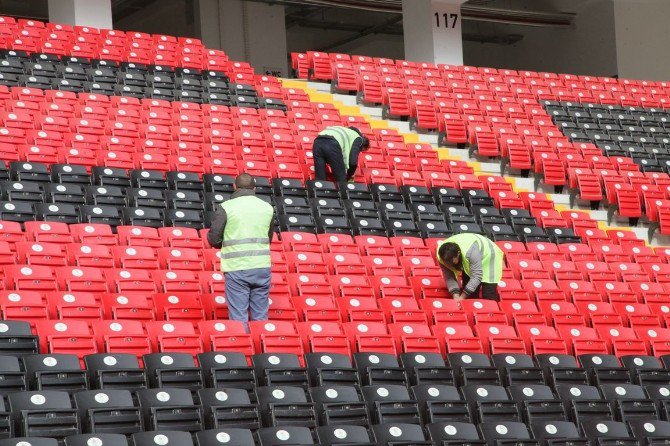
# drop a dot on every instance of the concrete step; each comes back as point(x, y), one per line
point(319, 86)
point(373, 112)
point(430, 138)
point(402, 126)
point(345, 99)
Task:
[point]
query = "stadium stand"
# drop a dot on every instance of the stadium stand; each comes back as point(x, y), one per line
point(116, 148)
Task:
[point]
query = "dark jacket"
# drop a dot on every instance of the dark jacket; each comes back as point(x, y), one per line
point(215, 234)
point(356, 148)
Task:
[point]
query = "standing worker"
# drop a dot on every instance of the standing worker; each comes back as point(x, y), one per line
point(478, 259)
point(242, 228)
point(338, 147)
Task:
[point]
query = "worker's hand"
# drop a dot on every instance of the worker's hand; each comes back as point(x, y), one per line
point(458, 297)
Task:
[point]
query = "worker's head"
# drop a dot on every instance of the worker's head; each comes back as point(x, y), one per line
point(366, 142)
point(450, 255)
point(245, 181)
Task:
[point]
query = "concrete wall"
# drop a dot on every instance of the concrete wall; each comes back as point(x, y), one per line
point(374, 45)
point(173, 17)
point(642, 38)
point(94, 13)
point(246, 31)
point(586, 48)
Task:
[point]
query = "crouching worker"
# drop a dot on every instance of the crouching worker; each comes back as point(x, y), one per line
point(477, 259)
point(242, 228)
point(338, 147)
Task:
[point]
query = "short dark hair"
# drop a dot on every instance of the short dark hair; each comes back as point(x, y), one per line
point(245, 181)
point(366, 141)
point(448, 252)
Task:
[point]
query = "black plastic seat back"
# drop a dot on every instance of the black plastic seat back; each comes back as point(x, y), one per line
point(285, 406)
point(518, 369)
point(484, 392)
point(605, 429)
point(520, 392)
point(115, 371)
point(448, 431)
point(554, 430)
point(161, 438)
point(434, 392)
point(379, 368)
point(473, 368)
point(604, 369)
point(391, 404)
point(13, 378)
point(229, 408)
point(216, 437)
point(279, 369)
point(578, 392)
point(343, 435)
point(538, 402)
point(337, 405)
point(630, 402)
point(44, 414)
point(585, 402)
point(170, 409)
point(17, 338)
point(334, 394)
point(32, 441)
point(441, 403)
point(490, 403)
point(276, 436)
point(228, 369)
point(55, 372)
point(646, 369)
point(222, 397)
point(108, 411)
point(330, 369)
point(426, 368)
point(173, 370)
point(650, 428)
point(561, 369)
point(101, 439)
point(398, 432)
point(504, 430)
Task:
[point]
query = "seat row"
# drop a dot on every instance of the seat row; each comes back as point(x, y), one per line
point(601, 392)
point(138, 81)
point(48, 71)
point(352, 324)
point(33, 36)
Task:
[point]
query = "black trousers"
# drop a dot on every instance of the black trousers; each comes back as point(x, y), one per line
point(328, 151)
point(489, 290)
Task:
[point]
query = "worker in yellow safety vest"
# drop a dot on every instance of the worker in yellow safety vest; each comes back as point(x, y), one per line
point(242, 228)
point(477, 259)
point(339, 148)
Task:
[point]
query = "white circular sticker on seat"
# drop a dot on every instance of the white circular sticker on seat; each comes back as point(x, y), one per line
point(395, 431)
point(340, 434)
point(222, 437)
point(502, 430)
point(163, 397)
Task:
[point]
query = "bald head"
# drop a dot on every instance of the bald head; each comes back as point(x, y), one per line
point(245, 181)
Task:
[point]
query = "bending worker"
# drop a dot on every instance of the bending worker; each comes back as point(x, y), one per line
point(338, 147)
point(242, 228)
point(479, 261)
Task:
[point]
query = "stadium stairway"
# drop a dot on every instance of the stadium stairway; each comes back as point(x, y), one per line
point(347, 105)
